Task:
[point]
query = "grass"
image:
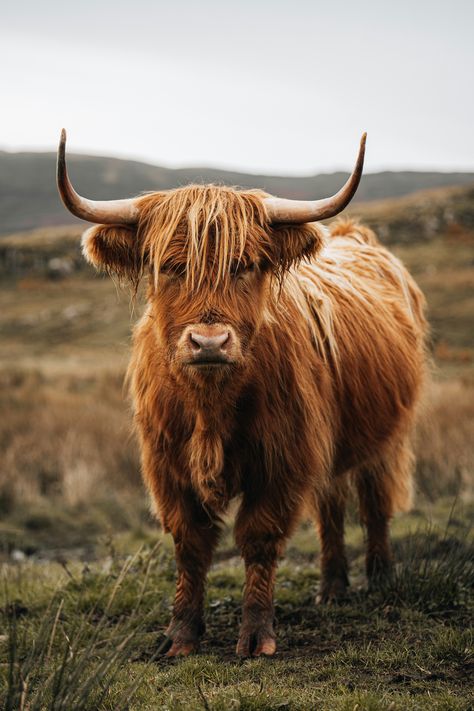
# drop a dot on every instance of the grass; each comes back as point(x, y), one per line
point(444, 270)
point(86, 636)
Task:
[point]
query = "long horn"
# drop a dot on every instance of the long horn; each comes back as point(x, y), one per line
point(280, 210)
point(109, 212)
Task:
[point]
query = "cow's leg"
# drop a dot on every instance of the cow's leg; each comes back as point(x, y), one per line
point(195, 535)
point(375, 512)
point(383, 487)
point(256, 635)
point(260, 533)
point(330, 511)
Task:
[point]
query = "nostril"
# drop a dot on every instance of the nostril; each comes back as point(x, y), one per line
point(224, 341)
point(219, 342)
point(194, 339)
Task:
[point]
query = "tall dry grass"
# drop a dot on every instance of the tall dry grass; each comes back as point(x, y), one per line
point(445, 441)
point(66, 440)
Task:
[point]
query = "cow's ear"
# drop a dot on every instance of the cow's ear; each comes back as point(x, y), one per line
point(115, 249)
point(292, 244)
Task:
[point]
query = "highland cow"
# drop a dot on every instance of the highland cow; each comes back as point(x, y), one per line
point(277, 361)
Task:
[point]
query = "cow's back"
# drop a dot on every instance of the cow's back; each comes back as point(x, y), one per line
point(373, 333)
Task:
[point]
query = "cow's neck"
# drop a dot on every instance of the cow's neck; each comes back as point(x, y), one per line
point(213, 415)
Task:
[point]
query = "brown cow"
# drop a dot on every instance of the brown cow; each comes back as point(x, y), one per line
point(275, 361)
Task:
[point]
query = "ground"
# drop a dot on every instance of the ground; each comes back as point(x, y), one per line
point(85, 634)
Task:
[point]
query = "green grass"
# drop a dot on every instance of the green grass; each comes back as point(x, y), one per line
point(85, 634)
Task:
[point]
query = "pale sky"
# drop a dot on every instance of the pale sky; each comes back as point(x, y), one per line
point(272, 86)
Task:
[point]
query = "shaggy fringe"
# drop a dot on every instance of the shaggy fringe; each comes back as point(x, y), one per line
point(205, 232)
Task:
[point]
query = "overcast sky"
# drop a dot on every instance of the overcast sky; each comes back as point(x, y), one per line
point(280, 86)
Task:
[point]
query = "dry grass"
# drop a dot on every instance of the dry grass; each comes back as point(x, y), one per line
point(68, 441)
point(445, 441)
point(69, 469)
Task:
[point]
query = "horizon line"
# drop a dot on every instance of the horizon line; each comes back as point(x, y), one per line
point(243, 171)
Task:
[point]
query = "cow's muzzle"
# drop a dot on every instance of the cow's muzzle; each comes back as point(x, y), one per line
point(209, 345)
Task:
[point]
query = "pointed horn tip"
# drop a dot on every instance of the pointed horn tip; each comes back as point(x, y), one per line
point(363, 138)
point(63, 136)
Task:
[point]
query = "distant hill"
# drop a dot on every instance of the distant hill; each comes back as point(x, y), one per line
point(28, 196)
point(420, 216)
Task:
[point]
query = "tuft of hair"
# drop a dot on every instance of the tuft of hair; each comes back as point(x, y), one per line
point(202, 231)
point(113, 249)
point(347, 227)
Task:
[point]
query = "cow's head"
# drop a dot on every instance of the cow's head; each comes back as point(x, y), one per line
point(214, 256)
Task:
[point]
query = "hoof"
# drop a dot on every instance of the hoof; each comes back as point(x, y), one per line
point(181, 639)
point(332, 591)
point(256, 643)
point(177, 647)
point(182, 649)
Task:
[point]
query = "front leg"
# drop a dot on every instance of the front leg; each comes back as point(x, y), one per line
point(195, 536)
point(261, 533)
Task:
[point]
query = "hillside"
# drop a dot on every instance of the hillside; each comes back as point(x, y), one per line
point(28, 196)
point(421, 216)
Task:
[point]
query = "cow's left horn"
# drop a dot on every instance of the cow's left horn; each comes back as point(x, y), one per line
point(109, 212)
point(280, 210)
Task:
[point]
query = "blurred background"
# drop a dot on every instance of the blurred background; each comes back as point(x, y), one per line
point(270, 94)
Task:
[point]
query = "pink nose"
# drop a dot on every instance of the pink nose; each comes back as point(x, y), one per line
point(209, 345)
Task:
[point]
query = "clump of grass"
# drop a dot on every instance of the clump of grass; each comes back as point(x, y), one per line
point(74, 656)
point(92, 644)
point(436, 570)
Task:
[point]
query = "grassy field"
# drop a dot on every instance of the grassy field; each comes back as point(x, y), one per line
point(85, 634)
point(87, 577)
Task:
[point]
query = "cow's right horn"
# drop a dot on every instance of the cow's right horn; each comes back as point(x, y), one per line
point(109, 212)
point(296, 212)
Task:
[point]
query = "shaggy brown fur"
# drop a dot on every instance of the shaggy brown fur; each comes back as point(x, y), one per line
point(328, 365)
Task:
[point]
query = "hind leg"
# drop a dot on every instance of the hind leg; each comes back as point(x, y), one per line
point(383, 487)
point(375, 512)
point(330, 511)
